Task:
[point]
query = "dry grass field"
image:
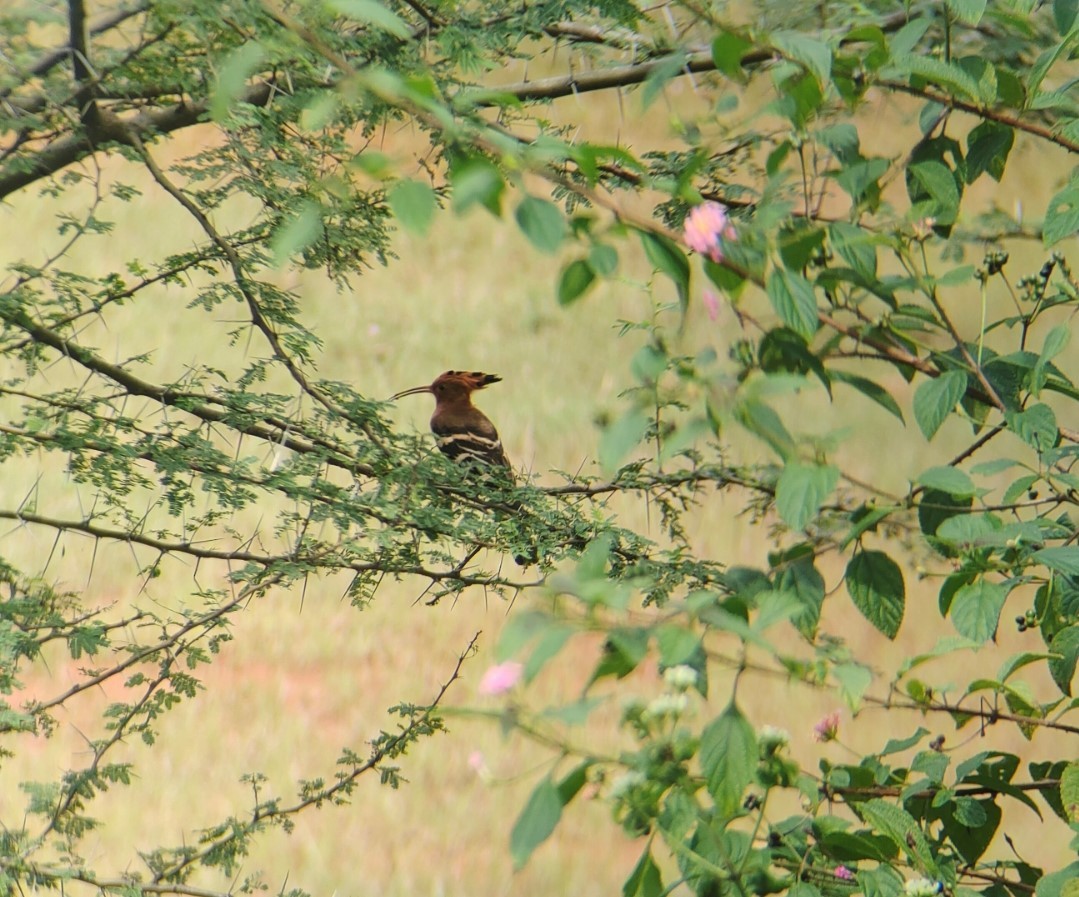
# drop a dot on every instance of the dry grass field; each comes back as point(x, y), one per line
point(309, 674)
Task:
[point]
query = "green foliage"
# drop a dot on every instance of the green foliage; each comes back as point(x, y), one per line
point(839, 269)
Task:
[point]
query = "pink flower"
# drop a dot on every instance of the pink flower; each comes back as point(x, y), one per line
point(501, 678)
point(706, 227)
point(844, 873)
point(827, 728)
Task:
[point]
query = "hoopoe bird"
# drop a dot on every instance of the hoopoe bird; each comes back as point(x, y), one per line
point(462, 431)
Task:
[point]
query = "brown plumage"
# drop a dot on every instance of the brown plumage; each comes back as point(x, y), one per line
point(462, 431)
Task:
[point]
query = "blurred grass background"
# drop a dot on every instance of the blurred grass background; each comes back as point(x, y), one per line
point(309, 674)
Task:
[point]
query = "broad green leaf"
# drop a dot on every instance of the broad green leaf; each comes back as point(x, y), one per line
point(542, 222)
point(854, 680)
point(372, 12)
point(645, 880)
point(1069, 791)
point(1064, 883)
point(232, 77)
point(939, 183)
point(1064, 13)
point(969, 12)
point(943, 74)
point(296, 233)
point(897, 745)
point(950, 480)
point(1055, 343)
point(1036, 426)
point(875, 584)
point(849, 847)
point(794, 301)
point(801, 579)
point(727, 52)
point(475, 180)
point(667, 258)
point(815, 55)
point(988, 146)
point(665, 69)
point(856, 246)
point(603, 259)
point(414, 205)
point(1016, 662)
point(935, 399)
point(1061, 558)
point(548, 646)
point(536, 823)
point(728, 756)
point(898, 825)
point(762, 420)
point(574, 282)
point(1062, 668)
point(677, 645)
point(1061, 215)
point(801, 490)
point(975, 609)
point(621, 437)
point(870, 389)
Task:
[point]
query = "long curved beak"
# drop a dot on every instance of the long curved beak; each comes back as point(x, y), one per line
point(415, 391)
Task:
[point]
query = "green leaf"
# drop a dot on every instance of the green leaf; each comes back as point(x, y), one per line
point(935, 399)
point(414, 205)
point(536, 823)
point(1069, 791)
point(854, 680)
point(1062, 668)
point(1055, 343)
point(875, 584)
point(542, 222)
point(576, 278)
point(810, 52)
point(975, 609)
point(603, 259)
point(296, 233)
point(856, 246)
point(1061, 216)
point(870, 389)
point(371, 12)
point(1064, 13)
point(475, 180)
point(667, 258)
point(988, 146)
point(801, 579)
point(801, 490)
point(548, 646)
point(969, 12)
point(677, 645)
point(1036, 426)
point(728, 756)
point(232, 77)
point(944, 74)
point(762, 421)
point(794, 301)
point(939, 182)
point(645, 880)
point(903, 830)
point(727, 52)
point(620, 438)
point(1061, 558)
point(950, 480)
point(666, 68)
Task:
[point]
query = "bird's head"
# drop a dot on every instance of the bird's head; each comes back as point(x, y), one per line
point(452, 386)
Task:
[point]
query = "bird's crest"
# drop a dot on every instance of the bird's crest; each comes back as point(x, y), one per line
point(471, 379)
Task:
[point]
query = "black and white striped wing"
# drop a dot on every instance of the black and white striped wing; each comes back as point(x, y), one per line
point(476, 441)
